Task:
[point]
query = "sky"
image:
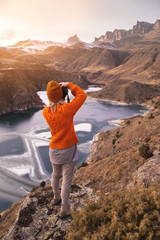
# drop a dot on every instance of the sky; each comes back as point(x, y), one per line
point(57, 20)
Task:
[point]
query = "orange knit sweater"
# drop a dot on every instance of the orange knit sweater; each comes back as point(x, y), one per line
point(61, 121)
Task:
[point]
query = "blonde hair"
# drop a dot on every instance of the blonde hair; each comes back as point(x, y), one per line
point(53, 105)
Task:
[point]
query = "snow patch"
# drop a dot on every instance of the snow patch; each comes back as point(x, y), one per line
point(21, 171)
point(116, 122)
point(85, 127)
point(93, 89)
point(43, 96)
point(85, 147)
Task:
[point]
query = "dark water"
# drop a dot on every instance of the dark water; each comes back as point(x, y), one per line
point(24, 140)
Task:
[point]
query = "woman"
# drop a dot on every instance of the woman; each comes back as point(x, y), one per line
point(62, 148)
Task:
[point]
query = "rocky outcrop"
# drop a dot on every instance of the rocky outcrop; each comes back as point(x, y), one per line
point(148, 172)
point(38, 218)
point(118, 34)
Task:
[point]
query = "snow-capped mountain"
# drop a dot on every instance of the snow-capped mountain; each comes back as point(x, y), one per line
point(35, 45)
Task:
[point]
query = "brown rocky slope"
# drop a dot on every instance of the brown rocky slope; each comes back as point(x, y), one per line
point(116, 155)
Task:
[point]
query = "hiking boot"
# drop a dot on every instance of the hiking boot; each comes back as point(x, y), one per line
point(57, 199)
point(65, 211)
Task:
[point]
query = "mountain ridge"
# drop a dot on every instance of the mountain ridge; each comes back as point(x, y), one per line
point(109, 37)
point(118, 34)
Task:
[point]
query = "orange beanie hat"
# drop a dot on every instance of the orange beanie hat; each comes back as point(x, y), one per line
point(54, 91)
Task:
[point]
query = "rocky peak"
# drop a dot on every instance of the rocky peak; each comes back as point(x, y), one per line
point(142, 27)
point(73, 39)
point(109, 36)
point(157, 24)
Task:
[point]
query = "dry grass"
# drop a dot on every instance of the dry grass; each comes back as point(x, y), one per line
point(124, 215)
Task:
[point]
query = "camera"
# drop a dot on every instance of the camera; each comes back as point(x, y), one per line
point(65, 93)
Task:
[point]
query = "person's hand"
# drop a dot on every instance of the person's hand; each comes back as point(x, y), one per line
point(64, 84)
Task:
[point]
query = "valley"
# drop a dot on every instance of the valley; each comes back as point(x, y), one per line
point(127, 67)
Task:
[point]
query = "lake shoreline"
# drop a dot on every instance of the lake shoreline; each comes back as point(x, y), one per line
point(38, 106)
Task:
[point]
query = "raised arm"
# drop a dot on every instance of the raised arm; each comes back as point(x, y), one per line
point(76, 103)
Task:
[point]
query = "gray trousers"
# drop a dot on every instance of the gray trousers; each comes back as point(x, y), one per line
point(66, 171)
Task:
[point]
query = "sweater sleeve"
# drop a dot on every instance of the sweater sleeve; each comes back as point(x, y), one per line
point(76, 103)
